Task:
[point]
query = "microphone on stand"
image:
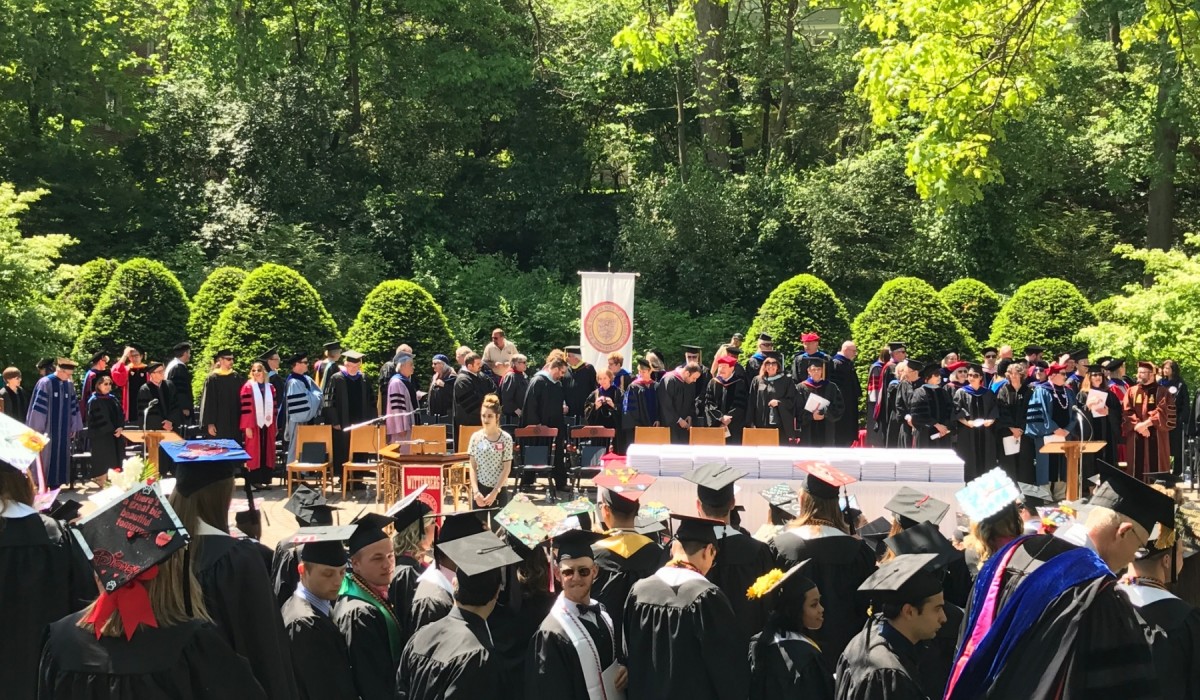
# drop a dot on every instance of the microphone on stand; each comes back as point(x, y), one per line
point(1086, 419)
point(146, 413)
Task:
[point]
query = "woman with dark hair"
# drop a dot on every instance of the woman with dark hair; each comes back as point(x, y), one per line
point(785, 662)
point(772, 401)
point(105, 419)
point(639, 406)
point(1178, 388)
point(1104, 417)
point(14, 396)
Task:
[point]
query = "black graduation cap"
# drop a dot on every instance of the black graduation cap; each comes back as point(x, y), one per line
point(352, 356)
point(45, 363)
point(1078, 355)
point(298, 357)
point(894, 346)
point(874, 532)
point(973, 367)
point(927, 370)
point(332, 346)
point(765, 338)
point(908, 578)
point(916, 365)
point(810, 361)
point(130, 535)
point(793, 583)
point(322, 545)
point(247, 519)
point(736, 352)
point(409, 509)
point(368, 529)
point(181, 348)
point(458, 525)
point(575, 544)
point(823, 480)
point(913, 507)
point(65, 511)
point(923, 539)
point(268, 354)
point(97, 356)
point(480, 553)
point(986, 350)
point(1167, 479)
point(223, 353)
point(198, 463)
point(1133, 498)
point(153, 367)
point(647, 526)
point(1096, 368)
point(941, 354)
point(1114, 364)
point(573, 349)
point(714, 483)
point(695, 529)
point(693, 349)
point(309, 507)
point(1034, 349)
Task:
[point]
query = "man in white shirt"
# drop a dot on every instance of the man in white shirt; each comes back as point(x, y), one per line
point(499, 353)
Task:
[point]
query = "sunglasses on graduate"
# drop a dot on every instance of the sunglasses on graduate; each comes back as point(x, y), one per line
point(581, 572)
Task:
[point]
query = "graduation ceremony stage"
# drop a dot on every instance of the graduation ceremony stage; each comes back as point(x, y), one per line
point(881, 472)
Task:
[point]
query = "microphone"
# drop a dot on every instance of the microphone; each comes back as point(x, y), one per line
point(1086, 419)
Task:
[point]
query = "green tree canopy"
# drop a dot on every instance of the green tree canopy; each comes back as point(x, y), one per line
point(83, 292)
point(214, 295)
point(799, 305)
point(973, 303)
point(909, 310)
point(29, 329)
point(399, 311)
point(143, 305)
point(274, 308)
point(1046, 312)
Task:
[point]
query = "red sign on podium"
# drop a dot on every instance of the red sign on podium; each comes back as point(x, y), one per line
point(418, 475)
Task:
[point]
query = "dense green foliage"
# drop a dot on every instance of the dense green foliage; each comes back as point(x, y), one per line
point(1047, 312)
point(973, 303)
point(909, 310)
point(274, 308)
point(82, 293)
point(398, 311)
point(802, 304)
point(210, 300)
point(143, 305)
point(30, 327)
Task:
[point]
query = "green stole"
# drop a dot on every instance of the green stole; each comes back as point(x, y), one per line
point(351, 587)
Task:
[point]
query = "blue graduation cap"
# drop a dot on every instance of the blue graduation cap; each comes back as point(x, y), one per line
point(198, 463)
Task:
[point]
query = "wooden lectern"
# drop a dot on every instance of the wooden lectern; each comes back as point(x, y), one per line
point(1074, 451)
point(149, 440)
point(394, 464)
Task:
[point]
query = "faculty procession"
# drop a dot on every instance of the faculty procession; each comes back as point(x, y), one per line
point(156, 595)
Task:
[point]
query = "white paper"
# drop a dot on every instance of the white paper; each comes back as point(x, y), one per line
point(1096, 400)
point(1012, 445)
point(873, 396)
point(815, 403)
point(978, 423)
point(609, 678)
point(1053, 438)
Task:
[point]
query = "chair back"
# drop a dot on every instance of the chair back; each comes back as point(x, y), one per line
point(706, 436)
point(536, 431)
point(367, 440)
point(464, 436)
point(760, 437)
point(322, 434)
point(647, 435)
point(434, 437)
point(593, 432)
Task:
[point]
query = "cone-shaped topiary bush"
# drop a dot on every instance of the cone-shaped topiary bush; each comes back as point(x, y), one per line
point(799, 305)
point(143, 305)
point(399, 311)
point(974, 304)
point(1047, 312)
point(910, 311)
point(211, 299)
point(84, 292)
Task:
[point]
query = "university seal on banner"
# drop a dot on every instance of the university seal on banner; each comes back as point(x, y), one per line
point(606, 327)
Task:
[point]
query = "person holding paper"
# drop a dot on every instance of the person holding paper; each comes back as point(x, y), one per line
point(725, 400)
point(773, 401)
point(1104, 412)
point(1012, 408)
point(1051, 419)
point(932, 410)
point(820, 406)
point(975, 409)
point(1149, 417)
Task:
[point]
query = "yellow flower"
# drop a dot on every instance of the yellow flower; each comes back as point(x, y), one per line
point(764, 584)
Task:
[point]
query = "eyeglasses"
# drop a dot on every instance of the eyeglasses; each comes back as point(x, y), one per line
point(974, 374)
point(581, 572)
point(989, 356)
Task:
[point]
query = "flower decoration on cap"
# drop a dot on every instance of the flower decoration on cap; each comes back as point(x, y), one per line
point(987, 495)
point(764, 584)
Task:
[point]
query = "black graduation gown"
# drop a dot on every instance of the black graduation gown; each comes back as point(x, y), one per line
point(221, 405)
point(759, 413)
point(372, 662)
point(441, 398)
point(819, 433)
point(930, 406)
point(16, 403)
point(935, 658)
point(843, 374)
point(675, 402)
point(400, 594)
point(889, 419)
point(320, 658)
point(975, 445)
point(167, 407)
point(1106, 429)
point(345, 400)
point(1012, 411)
point(43, 577)
point(640, 406)
point(741, 559)
point(513, 624)
point(577, 383)
point(622, 559)
point(237, 593)
point(699, 387)
point(180, 377)
point(1175, 628)
point(284, 575)
point(879, 664)
point(789, 668)
point(606, 416)
point(1100, 620)
point(185, 661)
point(512, 395)
point(430, 603)
point(721, 399)
point(543, 403)
point(553, 668)
point(840, 563)
point(452, 659)
point(469, 390)
point(677, 640)
point(104, 417)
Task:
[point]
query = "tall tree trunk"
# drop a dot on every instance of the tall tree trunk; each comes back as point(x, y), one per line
point(765, 98)
point(353, 83)
point(785, 92)
point(712, 17)
point(680, 128)
point(1160, 200)
point(1114, 36)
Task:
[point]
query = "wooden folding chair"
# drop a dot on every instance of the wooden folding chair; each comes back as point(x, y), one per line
point(706, 436)
point(464, 436)
point(434, 437)
point(591, 442)
point(364, 440)
point(646, 435)
point(536, 454)
point(322, 434)
point(760, 437)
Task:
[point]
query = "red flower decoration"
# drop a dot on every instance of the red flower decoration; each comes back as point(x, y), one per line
point(163, 539)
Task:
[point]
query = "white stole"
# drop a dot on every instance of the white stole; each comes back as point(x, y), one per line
point(567, 615)
point(264, 403)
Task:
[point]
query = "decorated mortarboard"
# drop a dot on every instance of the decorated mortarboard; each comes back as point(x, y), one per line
point(779, 494)
point(480, 553)
point(574, 544)
point(1133, 498)
point(912, 507)
point(823, 480)
point(792, 582)
point(622, 488)
point(714, 483)
point(528, 525)
point(1053, 518)
point(908, 578)
point(692, 528)
point(20, 445)
point(199, 463)
point(987, 495)
point(410, 509)
point(125, 541)
point(923, 539)
point(352, 356)
point(573, 349)
point(332, 345)
point(368, 529)
point(458, 525)
point(97, 356)
point(322, 545)
point(655, 510)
